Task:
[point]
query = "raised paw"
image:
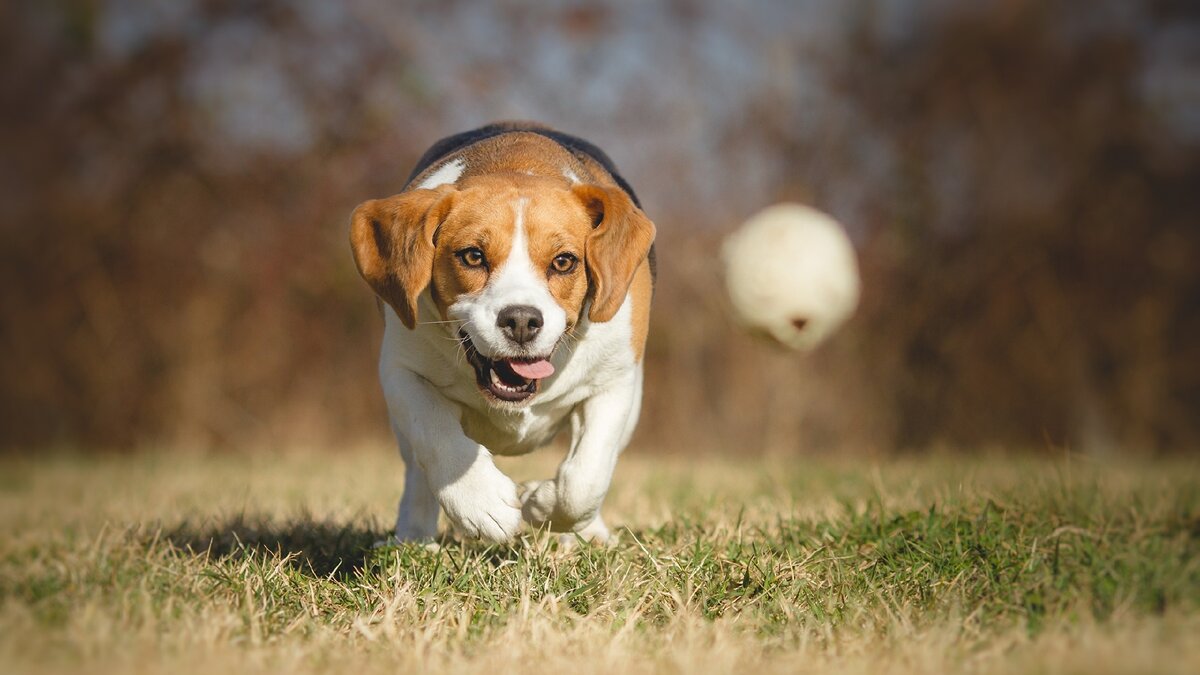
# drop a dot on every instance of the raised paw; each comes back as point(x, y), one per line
point(540, 506)
point(538, 501)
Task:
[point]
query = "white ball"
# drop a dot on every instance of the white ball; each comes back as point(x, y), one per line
point(792, 275)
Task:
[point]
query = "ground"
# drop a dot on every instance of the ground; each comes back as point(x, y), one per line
point(169, 561)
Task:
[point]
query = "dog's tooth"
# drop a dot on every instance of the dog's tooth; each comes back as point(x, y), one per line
point(495, 378)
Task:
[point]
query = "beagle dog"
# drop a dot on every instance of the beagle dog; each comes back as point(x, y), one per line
point(515, 272)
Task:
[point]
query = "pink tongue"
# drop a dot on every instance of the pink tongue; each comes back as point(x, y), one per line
point(532, 370)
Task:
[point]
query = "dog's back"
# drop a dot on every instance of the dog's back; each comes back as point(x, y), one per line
point(585, 151)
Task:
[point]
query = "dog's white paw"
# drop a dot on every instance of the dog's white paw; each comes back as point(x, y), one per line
point(483, 504)
point(538, 501)
point(406, 534)
point(539, 506)
point(392, 540)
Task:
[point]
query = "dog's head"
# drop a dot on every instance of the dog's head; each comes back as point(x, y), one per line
point(511, 262)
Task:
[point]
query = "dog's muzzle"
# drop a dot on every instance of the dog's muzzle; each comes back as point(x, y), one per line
point(511, 380)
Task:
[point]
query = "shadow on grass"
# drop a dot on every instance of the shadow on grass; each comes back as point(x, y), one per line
point(320, 548)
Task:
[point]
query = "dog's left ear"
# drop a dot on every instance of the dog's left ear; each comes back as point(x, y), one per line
point(620, 241)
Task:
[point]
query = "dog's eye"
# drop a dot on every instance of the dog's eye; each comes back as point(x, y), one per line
point(564, 263)
point(472, 257)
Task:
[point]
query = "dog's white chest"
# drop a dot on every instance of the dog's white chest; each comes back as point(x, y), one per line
point(601, 357)
point(516, 433)
point(597, 361)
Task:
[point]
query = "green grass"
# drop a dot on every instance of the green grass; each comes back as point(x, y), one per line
point(184, 562)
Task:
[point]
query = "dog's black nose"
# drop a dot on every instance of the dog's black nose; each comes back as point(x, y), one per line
point(520, 323)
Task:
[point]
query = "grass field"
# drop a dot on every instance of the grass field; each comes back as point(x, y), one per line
point(192, 563)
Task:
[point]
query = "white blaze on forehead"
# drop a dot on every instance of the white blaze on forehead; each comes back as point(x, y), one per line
point(518, 268)
point(570, 175)
point(447, 173)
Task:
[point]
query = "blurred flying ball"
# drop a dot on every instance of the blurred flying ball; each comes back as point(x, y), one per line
point(792, 275)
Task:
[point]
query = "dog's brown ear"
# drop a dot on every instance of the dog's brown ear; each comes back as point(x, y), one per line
point(619, 243)
point(393, 246)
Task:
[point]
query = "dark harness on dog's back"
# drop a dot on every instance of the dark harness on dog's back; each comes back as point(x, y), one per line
point(576, 146)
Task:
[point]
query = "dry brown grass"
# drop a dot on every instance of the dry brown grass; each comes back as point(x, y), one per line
point(95, 575)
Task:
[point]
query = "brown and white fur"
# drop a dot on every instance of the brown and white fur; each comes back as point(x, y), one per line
point(515, 220)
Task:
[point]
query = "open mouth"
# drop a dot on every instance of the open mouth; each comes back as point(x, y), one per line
point(512, 380)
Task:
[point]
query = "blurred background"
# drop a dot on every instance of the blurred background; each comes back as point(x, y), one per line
point(1021, 179)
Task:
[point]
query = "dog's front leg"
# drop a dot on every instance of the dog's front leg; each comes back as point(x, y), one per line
point(478, 499)
point(600, 429)
point(417, 519)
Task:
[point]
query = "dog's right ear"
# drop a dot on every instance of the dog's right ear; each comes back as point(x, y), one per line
point(392, 240)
